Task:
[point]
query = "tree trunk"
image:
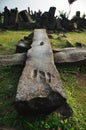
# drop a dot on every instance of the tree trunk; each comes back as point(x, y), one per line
point(40, 89)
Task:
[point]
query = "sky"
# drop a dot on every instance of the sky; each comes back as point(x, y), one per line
point(44, 5)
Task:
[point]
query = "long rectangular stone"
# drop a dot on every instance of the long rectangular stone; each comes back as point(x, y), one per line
point(40, 89)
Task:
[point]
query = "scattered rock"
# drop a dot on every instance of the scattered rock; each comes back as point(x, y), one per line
point(63, 35)
point(69, 44)
point(50, 36)
point(24, 44)
point(78, 44)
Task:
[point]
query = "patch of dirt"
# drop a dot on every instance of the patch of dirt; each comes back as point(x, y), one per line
point(81, 79)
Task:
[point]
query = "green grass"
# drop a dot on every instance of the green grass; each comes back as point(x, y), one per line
point(58, 41)
point(77, 37)
point(9, 40)
point(73, 37)
point(76, 95)
point(9, 77)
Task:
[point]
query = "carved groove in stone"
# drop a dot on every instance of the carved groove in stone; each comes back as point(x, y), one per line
point(35, 73)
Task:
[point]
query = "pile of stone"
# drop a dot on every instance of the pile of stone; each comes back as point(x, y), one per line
point(13, 19)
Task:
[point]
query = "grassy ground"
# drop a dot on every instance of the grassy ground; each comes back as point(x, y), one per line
point(9, 39)
point(74, 85)
point(60, 40)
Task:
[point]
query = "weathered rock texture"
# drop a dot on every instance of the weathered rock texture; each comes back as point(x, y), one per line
point(70, 56)
point(40, 89)
point(63, 56)
point(15, 59)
